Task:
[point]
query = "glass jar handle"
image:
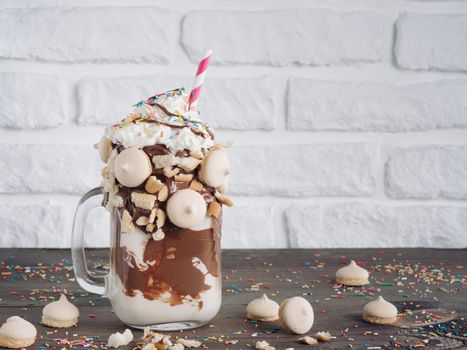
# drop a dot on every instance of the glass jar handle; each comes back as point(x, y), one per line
point(88, 281)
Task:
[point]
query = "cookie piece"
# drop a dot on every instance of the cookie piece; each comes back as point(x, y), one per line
point(262, 309)
point(60, 313)
point(380, 311)
point(296, 314)
point(352, 275)
point(17, 333)
point(104, 147)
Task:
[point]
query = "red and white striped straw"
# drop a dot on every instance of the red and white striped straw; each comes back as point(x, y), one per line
point(199, 79)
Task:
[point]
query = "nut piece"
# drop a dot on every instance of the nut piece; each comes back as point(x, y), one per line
point(323, 336)
point(159, 235)
point(197, 154)
point(171, 172)
point(127, 222)
point(184, 177)
point(142, 221)
point(152, 216)
point(308, 340)
point(196, 186)
point(189, 163)
point(189, 343)
point(224, 199)
point(153, 185)
point(214, 209)
point(150, 227)
point(164, 161)
point(263, 345)
point(160, 218)
point(143, 200)
point(163, 194)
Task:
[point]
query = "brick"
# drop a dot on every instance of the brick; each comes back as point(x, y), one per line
point(431, 171)
point(92, 34)
point(30, 101)
point(32, 225)
point(250, 226)
point(376, 106)
point(236, 104)
point(309, 37)
point(304, 170)
point(36, 168)
point(432, 42)
point(364, 225)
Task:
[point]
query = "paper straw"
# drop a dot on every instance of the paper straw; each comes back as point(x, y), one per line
point(199, 79)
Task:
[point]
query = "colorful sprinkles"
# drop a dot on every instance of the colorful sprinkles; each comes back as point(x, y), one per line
point(414, 287)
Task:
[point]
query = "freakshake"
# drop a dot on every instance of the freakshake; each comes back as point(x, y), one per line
point(164, 183)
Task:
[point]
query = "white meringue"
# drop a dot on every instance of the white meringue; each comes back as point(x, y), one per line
point(296, 314)
point(380, 311)
point(352, 275)
point(186, 208)
point(17, 333)
point(60, 313)
point(120, 339)
point(132, 167)
point(262, 309)
point(215, 168)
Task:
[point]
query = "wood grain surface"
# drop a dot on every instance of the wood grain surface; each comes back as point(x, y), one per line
point(425, 285)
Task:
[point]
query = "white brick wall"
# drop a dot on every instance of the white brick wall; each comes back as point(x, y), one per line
point(349, 118)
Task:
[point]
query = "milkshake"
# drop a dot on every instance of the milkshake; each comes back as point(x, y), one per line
point(164, 183)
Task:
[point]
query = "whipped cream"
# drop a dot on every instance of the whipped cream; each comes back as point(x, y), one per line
point(163, 119)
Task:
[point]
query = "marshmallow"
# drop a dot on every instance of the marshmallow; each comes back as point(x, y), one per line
point(17, 333)
point(120, 339)
point(132, 167)
point(104, 147)
point(60, 313)
point(296, 314)
point(215, 168)
point(263, 309)
point(380, 311)
point(352, 275)
point(186, 208)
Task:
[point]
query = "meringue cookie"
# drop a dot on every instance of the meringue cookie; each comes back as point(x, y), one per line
point(296, 314)
point(132, 167)
point(104, 147)
point(215, 168)
point(186, 208)
point(224, 188)
point(262, 309)
point(60, 313)
point(17, 333)
point(380, 311)
point(120, 339)
point(352, 275)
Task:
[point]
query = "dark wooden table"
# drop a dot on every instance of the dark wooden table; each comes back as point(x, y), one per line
point(425, 284)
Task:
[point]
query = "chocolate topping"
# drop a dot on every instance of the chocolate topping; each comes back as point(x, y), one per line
point(172, 265)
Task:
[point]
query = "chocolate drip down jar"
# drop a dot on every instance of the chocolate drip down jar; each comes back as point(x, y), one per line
point(164, 184)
